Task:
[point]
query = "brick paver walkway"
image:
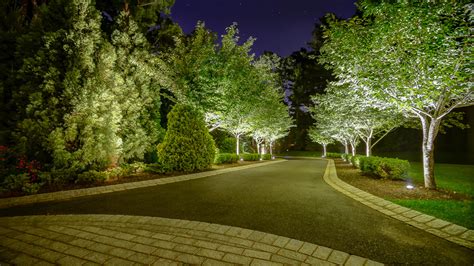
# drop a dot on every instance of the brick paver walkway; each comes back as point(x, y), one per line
point(125, 240)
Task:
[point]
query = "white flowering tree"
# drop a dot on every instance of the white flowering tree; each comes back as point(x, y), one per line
point(415, 57)
point(321, 136)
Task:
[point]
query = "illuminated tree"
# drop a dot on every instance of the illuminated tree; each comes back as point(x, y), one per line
point(88, 135)
point(196, 71)
point(322, 137)
point(416, 57)
point(139, 75)
point(187, 145)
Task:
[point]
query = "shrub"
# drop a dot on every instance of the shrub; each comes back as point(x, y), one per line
point(154, 168)
point(251, 156)
point(379, 167)
point(187, 145)
point(346, 157)
point(333, 155)
point(91, 176)
point(266, 156)
point(355, 160)
point(227, 145)
point(226, 158)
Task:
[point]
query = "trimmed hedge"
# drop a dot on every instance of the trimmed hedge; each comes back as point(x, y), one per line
point(251, 156)
point(266, 156)
point(333, 155)
point(222, 158)
point(380, 167)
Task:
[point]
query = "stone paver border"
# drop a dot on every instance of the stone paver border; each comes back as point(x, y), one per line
point(69, 194)
point(125, 240)
point(447, 230)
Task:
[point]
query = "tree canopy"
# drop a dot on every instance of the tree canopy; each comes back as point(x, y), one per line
point(412, 56)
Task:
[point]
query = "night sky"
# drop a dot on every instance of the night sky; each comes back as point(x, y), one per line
point(280, 26)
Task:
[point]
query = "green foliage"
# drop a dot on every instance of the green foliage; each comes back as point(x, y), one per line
point(91, 176)
point(187, 145)
point(355, 160)
point(154, 168)
point(226, 145)
point(333, 155)
point(346, 157)
point(380, 167)
point(138, 79)
point(250, 156)
point(14, 182)
point(266, 156)
point(412, 56)
point(222, 158)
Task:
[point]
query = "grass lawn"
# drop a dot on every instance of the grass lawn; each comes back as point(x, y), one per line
point(458, 178)
point(456, 207)
point(458, 212)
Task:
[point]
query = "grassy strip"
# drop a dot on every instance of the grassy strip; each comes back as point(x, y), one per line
point(458, 212)
point(458, 178)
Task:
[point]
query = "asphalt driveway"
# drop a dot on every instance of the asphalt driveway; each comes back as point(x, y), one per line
point(288, 199)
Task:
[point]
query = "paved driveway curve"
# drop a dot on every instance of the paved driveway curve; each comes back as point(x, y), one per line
point(288, 199)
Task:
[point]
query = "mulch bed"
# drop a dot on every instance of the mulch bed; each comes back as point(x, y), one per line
point(118, 180)
point(391, 189)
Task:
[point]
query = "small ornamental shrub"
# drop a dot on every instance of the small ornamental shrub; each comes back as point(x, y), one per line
point(345, 156)
point(222, 158)
point(379, 167)
point(17, 173)
point(91, 176)
point(251, 156)
point(154, 168)
point(187, 145)
point(266, 156)
point(358, 161)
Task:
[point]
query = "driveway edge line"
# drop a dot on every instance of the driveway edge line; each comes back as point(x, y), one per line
point(438, 227)
point(69, 194)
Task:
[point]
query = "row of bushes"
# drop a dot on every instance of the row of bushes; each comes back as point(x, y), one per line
point(232, 157)
point(379, 167)
point(222, 158)
point(22, 182)
point(334, 155)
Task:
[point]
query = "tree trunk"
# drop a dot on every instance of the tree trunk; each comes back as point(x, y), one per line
point(271, 150)
point(346, 148)
point(430, 131)
point(237, 146)
point(258, 148)
point(324, 150)
point(353, 148)
point(368, 146)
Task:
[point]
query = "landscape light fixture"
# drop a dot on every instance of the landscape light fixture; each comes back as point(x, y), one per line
point(410, 187)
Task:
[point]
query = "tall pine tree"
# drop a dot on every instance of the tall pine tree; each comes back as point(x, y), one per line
point(139, 74)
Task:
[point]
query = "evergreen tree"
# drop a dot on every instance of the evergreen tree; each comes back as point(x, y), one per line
point(187, 145)
point(71, 111)
point(139, 77)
